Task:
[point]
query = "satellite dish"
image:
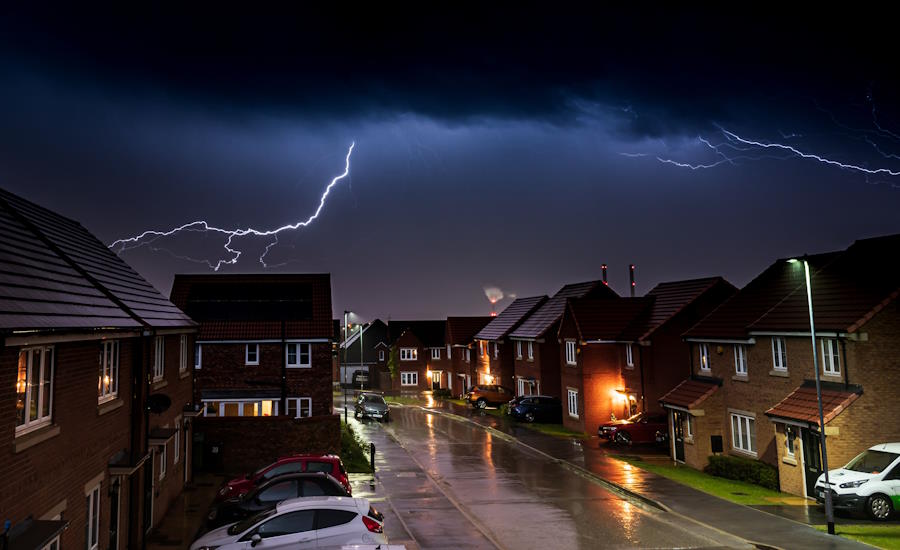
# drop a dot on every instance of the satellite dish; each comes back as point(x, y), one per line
point(159, 403)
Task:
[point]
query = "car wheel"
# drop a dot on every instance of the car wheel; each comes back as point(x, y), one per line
point(529, 416)
point(879, 507)
point(622, 438)
point(481, 403)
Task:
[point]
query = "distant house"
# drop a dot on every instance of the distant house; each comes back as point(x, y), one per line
point(265, 342)
point(360, 354)
point(96, 371)
point(751, 392)
point(536, 340)
point(459, 344)
point(416, 347)
point(620, 356)
point(496, 353)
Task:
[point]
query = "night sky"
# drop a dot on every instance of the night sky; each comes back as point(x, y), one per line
point(520, 147)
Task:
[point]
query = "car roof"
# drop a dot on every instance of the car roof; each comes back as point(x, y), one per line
point(887, 447)
point(303, 503)
point(301, 475)
point(291, 458)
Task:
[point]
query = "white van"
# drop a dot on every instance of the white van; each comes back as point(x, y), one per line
point(869, 483)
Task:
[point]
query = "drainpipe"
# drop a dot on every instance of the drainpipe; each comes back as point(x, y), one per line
point(283, 401)
point(843, 345)
point(148, 381)
point(641, 366)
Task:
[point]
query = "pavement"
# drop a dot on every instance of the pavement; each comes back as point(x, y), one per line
point(186, 516)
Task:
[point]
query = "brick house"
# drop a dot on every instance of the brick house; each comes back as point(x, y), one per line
point(752, 391)
point(459, 344)
point(619, 356)
point(536, 340)
point(265, 343)
point(360, 352)
point(417, 348)
point(498, 364)
point(89, 347)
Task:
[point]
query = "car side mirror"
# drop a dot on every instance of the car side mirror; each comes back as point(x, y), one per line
point(255, 539)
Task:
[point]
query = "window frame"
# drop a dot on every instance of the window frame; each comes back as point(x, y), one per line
point(163, 458)
point(572, 398)
point(109, 367)
point(298, 355)
point(159, 358)
point(176, 444)
point(571, 353)
point(779, 354)
point(518, 349)
point(496, 350)
point(448, 352)
point(743, 422)
point(703, 350)
point(198, 356)
point(832, 358)
point(530, 350)
point(182, 353)
point(436, 354)
point(790, 445)
point(468, 355)
point(409, 354)
point(629, 355)
point(689, 426)
point(381, 355)
point(740, 360)
point(41, 419)
point(255, 360)
point(298, 403)
point(409, 375)
point(92, 516)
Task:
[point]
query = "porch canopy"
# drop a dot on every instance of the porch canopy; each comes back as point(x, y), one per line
point(690, 394)
point(801, 405)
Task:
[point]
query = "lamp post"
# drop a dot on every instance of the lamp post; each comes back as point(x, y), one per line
point(829, 508)
point(344, 373)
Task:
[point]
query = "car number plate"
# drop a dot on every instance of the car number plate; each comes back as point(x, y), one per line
point(376, 415)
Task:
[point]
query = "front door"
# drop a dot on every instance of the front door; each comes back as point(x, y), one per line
point(436, 379)
point(678, 420)
point(812, 460)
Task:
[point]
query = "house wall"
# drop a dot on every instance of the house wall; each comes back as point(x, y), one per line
point(528, 368)
point(49, 477)
point(459, 365)
point(409, 340)
point(442, 365)
point(698, 448)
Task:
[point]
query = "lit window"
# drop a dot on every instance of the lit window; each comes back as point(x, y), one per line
point(93, 519)
point(629, 355)
point(409, 354)
point(251, 354)
point(704, 357)
point(409, 378)
point(159, 358)
point(779, 354)
point(831, 361)
point(298, 356)
point(435, 353)
point(108, 386)
point(530, 351)
point(570, 352)
point(573, 403)
point(740, 359)
point(518, 350)
point(743, 433)
point(34, 389)
point(183, 353)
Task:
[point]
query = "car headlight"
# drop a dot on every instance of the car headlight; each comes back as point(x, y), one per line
point(852, 484)
point(207, 548)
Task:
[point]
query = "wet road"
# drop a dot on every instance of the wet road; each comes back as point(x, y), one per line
point(454, 485)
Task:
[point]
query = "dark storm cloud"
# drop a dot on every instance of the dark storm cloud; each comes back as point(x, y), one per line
point(669, 70)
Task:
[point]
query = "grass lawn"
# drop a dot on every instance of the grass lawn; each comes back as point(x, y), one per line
point(735, 491)
point(557, 430)
point(882, 535)
point(403, 400)
point(460, 402)
point(354, 454)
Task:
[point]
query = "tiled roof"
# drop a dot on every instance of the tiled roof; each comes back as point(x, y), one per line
point(55, 274)
point(608, 319)
point(541, 320)
point(510, 318)
point(803, 406)
point(672, 297)
point(253, 307)
point(461, 330)
point(430, 333)
point(690, 393)
point(731, 319)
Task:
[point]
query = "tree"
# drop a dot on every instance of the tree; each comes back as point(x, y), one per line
point(393, 359)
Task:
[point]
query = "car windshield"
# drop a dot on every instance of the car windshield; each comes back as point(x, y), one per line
point(635, 418)
point(242, 526)
point(375, 399)
point(871, 462)
point(258, 472)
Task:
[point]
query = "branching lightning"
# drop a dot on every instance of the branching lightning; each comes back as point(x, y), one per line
point(148, 237)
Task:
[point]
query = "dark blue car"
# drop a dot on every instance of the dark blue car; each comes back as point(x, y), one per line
point(536, 408)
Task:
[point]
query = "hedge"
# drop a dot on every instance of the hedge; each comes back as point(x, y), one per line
point(743, 469)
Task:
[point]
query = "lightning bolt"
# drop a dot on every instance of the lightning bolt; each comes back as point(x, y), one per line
point(150, 236)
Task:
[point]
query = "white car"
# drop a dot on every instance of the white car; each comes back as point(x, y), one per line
point(869, 483)
point(301, 523)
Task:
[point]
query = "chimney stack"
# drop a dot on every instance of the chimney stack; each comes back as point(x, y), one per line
point(631, 275)
point(603, 269)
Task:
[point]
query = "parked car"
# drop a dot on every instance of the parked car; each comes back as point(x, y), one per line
point(302, 523)
point(330, 464)
point(270, 493)
point(869, 483)
point(371, 405)
point(640, 428)
point(536, 408)
point(483, 395)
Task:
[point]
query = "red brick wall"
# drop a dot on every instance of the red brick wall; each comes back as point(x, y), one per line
point(458, 365)
point(409, 340)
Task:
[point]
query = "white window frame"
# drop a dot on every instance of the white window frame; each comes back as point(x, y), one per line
point(108, 384)
point(448, 352)
point(220, 406)
point(198, 356)
point(481, 348)
point(570, 353)
point(183, 353)
point(53, 544)
point(572, 402)
point(790, 444)
point(831, 358)
point(531, 351)
point(779, 354)
point(301, 405)
point(409, 354)
point(436, 354)
point(496, 350)
point(93, 518)
point(381, 355)
point(247, 349)
point(689, 426)
point(468, 355)
point(409, 378)
point(629, 355)
point(743, 428)
point(298, 355)
point(518, 349)
point(704, 357)
point(41, 420)
point(740, 359)
point(162, 461)
point(176, 445)
point(159, 358)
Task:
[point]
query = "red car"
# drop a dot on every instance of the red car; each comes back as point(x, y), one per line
point(330, 464)
point(640, 428)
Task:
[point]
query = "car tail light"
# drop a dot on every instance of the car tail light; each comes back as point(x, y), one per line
point(372, 525)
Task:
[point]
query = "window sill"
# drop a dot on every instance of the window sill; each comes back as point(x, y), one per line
point(689, 440)
point(742, 452)
point(109, 406)
point(705, 372)
point(832, 377)
point(184, 374)
point(159, 384)
point(299, 366)
point(30, 439)
point(781, 373)
point(629, 367)
point(740, 378)
point(789, 460)
point(575, 416)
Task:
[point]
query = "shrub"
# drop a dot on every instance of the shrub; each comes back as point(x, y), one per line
point(504, 409)
point(743, 469)
point(443, 392)
point(354, 453)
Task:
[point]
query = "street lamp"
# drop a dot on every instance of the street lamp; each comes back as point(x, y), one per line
point(349, 319)
point(829, 509)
